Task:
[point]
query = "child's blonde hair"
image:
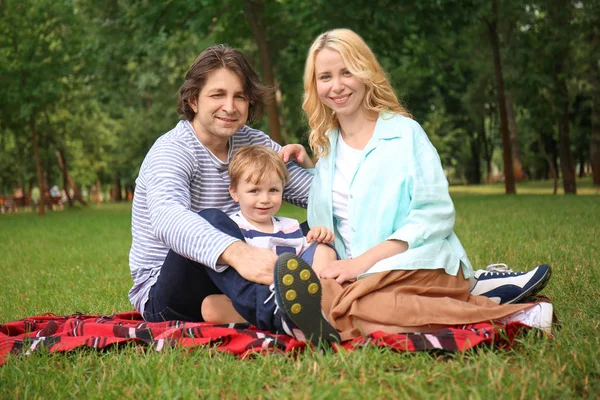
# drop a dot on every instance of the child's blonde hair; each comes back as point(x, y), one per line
point(361, 62)
point(258, 161)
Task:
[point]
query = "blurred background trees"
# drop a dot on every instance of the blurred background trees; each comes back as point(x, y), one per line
point(87, 86)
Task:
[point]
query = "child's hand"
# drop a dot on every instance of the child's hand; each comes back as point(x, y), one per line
point(320, 234)
point(296, 152)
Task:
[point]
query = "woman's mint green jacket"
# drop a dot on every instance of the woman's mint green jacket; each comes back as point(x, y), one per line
point(398, 191)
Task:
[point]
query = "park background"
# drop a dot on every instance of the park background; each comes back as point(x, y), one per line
point(508, 92)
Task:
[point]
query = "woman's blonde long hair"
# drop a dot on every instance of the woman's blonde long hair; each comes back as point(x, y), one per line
point(361, 62)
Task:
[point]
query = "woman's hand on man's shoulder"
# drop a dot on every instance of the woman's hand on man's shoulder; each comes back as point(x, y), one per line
point(297, 153)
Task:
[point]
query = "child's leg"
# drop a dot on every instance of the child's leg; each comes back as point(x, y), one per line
point(218, 309)
point(323, 256)
point(252, 301)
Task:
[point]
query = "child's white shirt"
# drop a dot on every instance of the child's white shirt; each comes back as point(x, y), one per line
point(286, 237)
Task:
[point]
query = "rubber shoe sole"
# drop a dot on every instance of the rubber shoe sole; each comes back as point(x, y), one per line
point(298, 295)
point(535, 288)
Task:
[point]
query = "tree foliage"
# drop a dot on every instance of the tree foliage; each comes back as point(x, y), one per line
point(97, 81)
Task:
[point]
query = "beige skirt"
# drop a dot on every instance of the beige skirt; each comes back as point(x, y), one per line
point(407, 301)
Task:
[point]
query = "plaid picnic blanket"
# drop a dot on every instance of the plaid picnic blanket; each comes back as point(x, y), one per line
point(64, 333)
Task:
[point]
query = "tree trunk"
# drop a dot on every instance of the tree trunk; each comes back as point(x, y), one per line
point(475, 168)
point(38, 165)
point(98, 193)
point(45, 192)
point(65, 175)
point(116, 190)
point(559, 20)
point(550, 163)
point(509, 178)
point(595, 139)
point(28, 195)
point(595, 148)
point(567, 164)
point(488, 147)
point(62, 162)
point(512, 128)
point(476, 144)
point(255, 13)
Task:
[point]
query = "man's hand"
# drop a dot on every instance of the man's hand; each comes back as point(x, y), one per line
point(320, 234)
point(343, 270)
point(296, 152)
point(252, 263)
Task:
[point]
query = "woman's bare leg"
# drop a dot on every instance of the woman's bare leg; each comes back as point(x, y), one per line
point(218, 309)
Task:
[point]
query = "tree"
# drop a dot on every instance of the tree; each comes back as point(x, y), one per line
point(255, 12)
point(559, 18)
point(492, 24)
point(588, 21)
point(42, 53)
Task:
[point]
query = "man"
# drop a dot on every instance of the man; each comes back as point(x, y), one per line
point(185, 172)
point(178, 257)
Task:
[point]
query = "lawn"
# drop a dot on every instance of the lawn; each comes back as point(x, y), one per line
point(76, 261)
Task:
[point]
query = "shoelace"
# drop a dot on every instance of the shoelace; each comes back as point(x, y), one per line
point(499, 269)
point(272, 289)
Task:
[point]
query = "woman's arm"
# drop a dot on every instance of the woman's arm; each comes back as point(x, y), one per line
point(347, 270)
point(297, 189)
point(431, 213)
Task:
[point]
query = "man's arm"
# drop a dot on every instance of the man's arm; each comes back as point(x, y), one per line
point(167, 175)
point(252, 263)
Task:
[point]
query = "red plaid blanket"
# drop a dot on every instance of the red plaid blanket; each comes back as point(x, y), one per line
point(63, 333)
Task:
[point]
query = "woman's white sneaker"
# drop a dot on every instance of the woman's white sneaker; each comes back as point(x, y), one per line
point(537, 316)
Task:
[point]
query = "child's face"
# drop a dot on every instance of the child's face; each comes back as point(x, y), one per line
point(258, 202)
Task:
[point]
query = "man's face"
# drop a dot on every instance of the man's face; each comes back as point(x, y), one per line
point(221, 108)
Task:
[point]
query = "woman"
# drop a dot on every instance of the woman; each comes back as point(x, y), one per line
point(380, 187)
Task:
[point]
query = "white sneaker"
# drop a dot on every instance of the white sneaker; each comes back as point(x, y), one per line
point(537, 316)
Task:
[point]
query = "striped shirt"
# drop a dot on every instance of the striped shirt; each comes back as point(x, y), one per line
point(286, 237)
point(178, 178)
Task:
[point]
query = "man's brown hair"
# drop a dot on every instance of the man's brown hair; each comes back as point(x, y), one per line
point(258, 161)
point(213, 58)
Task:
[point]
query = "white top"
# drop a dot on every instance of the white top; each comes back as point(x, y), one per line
point(286, 236)
point(346, 162)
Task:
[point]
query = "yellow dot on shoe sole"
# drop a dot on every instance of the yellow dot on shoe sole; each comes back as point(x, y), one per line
point(313, 288)
point(304, 274)
point(296, 308)
point(290, 295)
point(292, 264)
point(288, 280)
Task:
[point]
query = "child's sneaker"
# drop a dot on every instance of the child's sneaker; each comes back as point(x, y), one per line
point(504, 286)
point(539, 316)
point(298, 296)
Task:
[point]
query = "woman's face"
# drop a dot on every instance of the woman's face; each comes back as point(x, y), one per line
point(337, 88)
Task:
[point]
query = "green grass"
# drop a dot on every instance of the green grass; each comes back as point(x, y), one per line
point(76, 261)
